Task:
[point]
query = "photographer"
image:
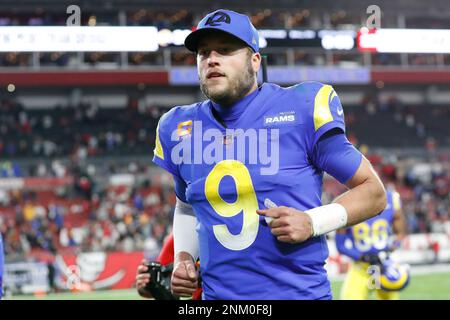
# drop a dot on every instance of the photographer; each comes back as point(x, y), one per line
point(158, 286)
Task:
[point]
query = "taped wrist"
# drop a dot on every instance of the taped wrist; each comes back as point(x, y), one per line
point(327, 218)
point(184, 230)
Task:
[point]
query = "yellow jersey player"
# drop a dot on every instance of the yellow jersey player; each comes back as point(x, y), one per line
point(369, 244)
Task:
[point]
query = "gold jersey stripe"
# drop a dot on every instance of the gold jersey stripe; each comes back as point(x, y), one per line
point(322, 112)
point(396, 202)
point(158, 147)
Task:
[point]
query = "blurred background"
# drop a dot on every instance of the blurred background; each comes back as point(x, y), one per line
point(81, 202)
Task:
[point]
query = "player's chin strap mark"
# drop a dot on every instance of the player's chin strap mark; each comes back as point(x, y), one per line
point(324, 218)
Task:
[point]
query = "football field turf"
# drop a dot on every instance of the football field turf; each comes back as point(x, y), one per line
point(433, 286)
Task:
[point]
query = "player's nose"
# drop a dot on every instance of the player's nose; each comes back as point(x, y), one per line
point(213, 58)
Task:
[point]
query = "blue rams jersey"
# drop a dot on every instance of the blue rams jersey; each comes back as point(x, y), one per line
point(226, 184)
point(372, 235)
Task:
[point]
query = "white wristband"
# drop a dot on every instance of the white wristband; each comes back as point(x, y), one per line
point(327, 218)
point(184, 230)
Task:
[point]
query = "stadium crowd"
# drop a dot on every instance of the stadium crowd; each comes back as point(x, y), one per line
point(276, 17)
point(181, 57)
point(87, 130)
point(88, 215)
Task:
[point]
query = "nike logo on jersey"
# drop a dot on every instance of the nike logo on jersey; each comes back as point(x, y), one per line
point(340, 112)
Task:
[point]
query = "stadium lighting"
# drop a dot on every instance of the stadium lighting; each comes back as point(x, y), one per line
point(339, 40)
point(404, 40)
point(78, 39)
point(11, 88)
point(273, 34)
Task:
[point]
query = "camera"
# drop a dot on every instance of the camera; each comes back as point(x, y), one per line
point(159, 284)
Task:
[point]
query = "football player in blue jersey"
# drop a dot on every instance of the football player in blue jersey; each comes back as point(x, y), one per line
point(369, 244)
point(248, 164)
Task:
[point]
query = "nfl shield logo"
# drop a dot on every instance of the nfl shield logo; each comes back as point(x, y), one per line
point(227, 139)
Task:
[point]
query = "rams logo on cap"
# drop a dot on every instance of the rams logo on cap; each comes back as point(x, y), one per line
point(217, 19)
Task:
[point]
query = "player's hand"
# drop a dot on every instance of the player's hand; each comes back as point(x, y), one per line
point(288, 224)
point(184, 276)
point(142, 278)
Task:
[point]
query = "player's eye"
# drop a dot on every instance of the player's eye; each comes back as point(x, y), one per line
point(203, 53)
point(225, 50)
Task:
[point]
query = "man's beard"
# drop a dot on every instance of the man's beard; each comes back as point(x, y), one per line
point(237, 90)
